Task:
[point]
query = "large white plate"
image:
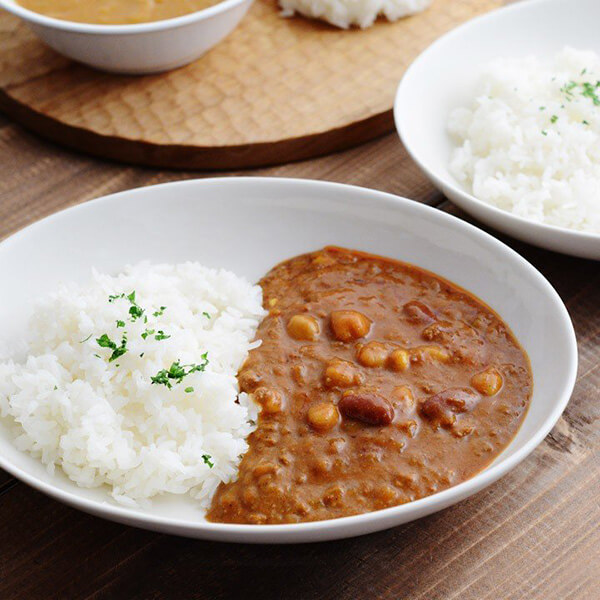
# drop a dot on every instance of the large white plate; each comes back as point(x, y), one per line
point(445, 76)
point(248, 225)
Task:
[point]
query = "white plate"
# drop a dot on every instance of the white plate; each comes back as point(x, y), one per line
point(444, 77)
point(248, 225)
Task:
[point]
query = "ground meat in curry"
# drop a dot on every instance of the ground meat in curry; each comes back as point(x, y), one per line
point(379, 382)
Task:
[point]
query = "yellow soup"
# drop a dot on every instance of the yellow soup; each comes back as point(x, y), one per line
point(115, 12)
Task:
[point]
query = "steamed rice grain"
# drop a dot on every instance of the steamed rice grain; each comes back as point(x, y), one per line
point(347, 13)
point(104, 422)
point(529, 143)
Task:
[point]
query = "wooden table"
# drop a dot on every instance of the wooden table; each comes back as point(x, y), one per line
point(534, 534)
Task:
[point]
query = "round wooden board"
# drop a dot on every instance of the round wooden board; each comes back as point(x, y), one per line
point(276, 90)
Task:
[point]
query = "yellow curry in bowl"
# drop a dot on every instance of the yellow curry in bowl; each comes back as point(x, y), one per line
point(116, 12)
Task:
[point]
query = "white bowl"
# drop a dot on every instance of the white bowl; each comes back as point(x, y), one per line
point(248, 225)
point(139, 48)
point(444, 77)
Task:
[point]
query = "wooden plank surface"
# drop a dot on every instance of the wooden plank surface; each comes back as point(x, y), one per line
point(535, 534)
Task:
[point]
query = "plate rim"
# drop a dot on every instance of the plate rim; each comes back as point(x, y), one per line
point(329, 529)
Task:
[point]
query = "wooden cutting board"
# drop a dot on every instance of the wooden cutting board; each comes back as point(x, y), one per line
point(276, 90)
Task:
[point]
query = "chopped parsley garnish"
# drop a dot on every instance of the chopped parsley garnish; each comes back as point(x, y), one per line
point(147, 333)
point(159, 312)
point(136, 312)
point(117, 350)
point(585, 88)
point(553, 118)
point(542, 108)
point(87, 338)
point(206, 315)
point(176, 372)
point(544, 132)
point(189, 390)
point(585, 122)
point(207, 460)
point(590, 91)
point(161, 335)
point(120, 323)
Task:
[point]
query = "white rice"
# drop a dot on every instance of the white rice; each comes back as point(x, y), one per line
point(530, 141)
point(345, 13)
point(106, 423)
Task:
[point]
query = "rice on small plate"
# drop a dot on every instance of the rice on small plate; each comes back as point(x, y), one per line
point(346, 13)
point(530, 141)
point(130, 381)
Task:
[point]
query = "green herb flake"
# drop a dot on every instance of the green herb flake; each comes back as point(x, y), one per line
point(161, 335)
point(206, 315)
point(189, 390)
point(86, 339)
point(207, 458)
point(114, 297)
point(142, 355)
point(553, 119)
point(585, 122)
point(176, 372)
point(136, 312)
point(542, 108)
point(159, 312)
point(544, 132)
point(147, 333)
point(120, 323)
point(117, 350)
point(55, 388)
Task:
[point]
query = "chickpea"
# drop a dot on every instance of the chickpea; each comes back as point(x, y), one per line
point(303, 327)
point(349, 325)
point(373, 354)
point(269, 399)
point(341, 373)
point(403, 397)
point(487, 382)
point(435, 353)
point(399, 360)
point(323, 416)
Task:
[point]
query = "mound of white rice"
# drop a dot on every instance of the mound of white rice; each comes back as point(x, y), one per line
point(106, 422)
point(345, 13)
point(530, 142)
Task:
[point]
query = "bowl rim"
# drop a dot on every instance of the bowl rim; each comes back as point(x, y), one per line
point(449, 182)
point(41, 20)
point(345, 526)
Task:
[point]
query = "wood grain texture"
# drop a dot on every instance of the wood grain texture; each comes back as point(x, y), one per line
point(275, 91)
point(534, 535)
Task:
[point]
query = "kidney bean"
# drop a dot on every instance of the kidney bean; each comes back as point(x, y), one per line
point(419, 312)
point(442, 408)
point(367, 407)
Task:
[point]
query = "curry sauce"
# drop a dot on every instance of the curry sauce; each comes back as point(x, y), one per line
point(116, 12)
point(379, 383)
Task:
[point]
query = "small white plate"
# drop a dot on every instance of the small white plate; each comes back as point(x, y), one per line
point(248, 225)
point(445, 76)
